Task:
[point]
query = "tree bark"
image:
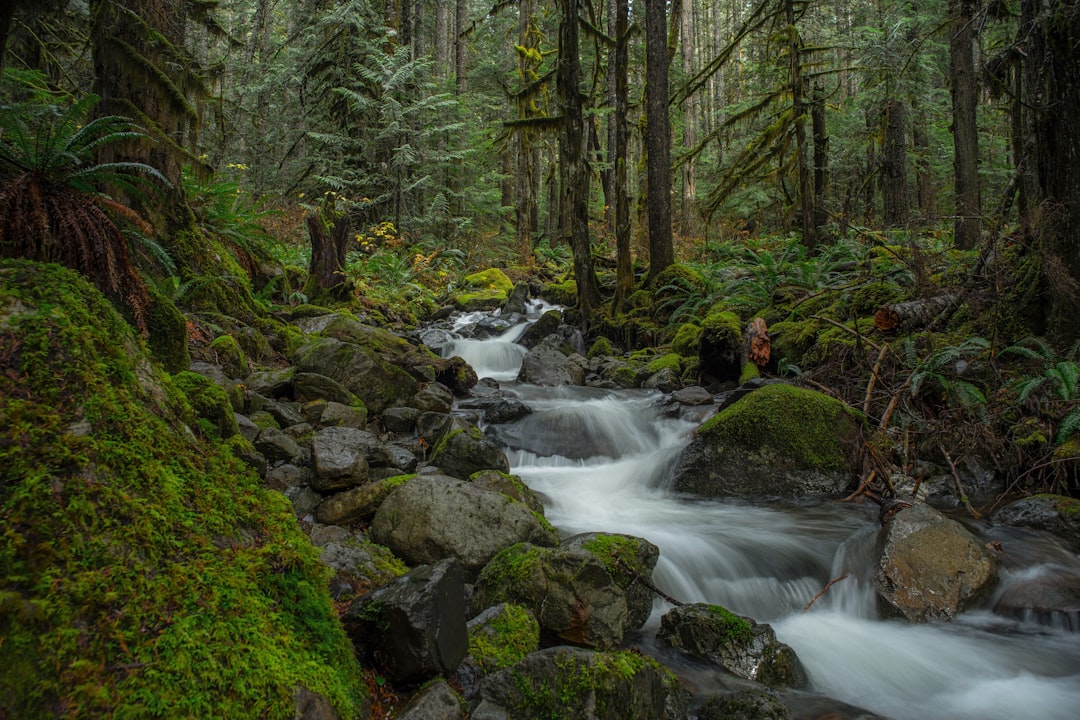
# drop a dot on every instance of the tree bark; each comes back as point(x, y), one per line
point(913, 314)
point(894, 165)
point(658, 139)
point(821, 156)
point(798, 108)
point(574, 160)
point(328, 250)
point(964, 88)
point(624, 273)
point(461, 21)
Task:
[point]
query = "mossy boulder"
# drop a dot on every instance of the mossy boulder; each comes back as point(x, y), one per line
point(501, 636)
point(566, 682)
point(686, 340)
point(779, 440)
point(211, 404)
point(229, 356)
point(145, 571)
point(630, 560)
point(601, 347)
point(562, 293)
point(720, 345)
point(484, 290)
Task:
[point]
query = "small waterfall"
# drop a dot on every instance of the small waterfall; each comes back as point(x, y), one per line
point(599, 459)
point(499, 357)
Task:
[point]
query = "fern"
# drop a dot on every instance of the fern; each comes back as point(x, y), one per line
point(1069, 425)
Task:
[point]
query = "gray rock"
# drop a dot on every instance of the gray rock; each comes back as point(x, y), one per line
point(248, 430)
point(432, 517)
point(322, 535)
point(509, 485)
point(304, 500)
point(400, 419)
point(465, 451)
point(309, 386)
point(401, 459)
point(748, 704)
point(628, 560)
point(356, 504)
point(378, 382)
point(546, 365)
point(338, 415)
point(1056, 514)
point(515, 303)
point(506, 411)
point(312, 706)
point(271, 383)
point(434, 397)
point(339, 458)
point(740, 645)
point(547, 324)
point(456, 374)
point(692, 395)
point(283, 477)
point(413, 628)
point(930, 567)
point(370, 564)
point(664, 380)
point(566, 682)
point(436, 339)
point(572, 594)
point(276, 446)
point(286, 414)
point(436, 701)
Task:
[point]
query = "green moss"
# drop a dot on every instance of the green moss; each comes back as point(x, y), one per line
point(145, 573)
point(263, 420)
point(616, 552)
point(749, 372)
point(563, 293)
point(791, 339)
point(733, 628)
point(800, 424)
point(229, 356)
point(601, 347)
point(1066, 507)
point(505, 640)
point(721, 322)
point(639, 300)
point(167, 332)
point(671, 361)
point(868, 298)
point(686, 340)
point(677, 279)
point(210, 403)
point(511, 567)
point(490, 279)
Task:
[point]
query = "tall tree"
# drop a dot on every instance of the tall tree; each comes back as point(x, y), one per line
point(658, 139)
point(964, 88)
point(894, 164)
point(624, 272)
point(1051, 39)
point(574, 160)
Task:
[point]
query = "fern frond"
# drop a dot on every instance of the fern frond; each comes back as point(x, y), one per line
point(1069, 425)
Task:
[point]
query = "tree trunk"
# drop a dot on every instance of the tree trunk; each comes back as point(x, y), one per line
point(442, 39)
point(894, 165)
point(965, 132)
point(461, 21)
point(924, 176)
point(328, 250)
point(821, 156)
point(1053, 73)
point(658, 139)
point(913, 314)
point(624, 272)
point(798, 108)
point(573, 158)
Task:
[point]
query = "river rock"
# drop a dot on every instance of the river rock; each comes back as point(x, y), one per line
point(313, 386)
point(573, 431)
point(572, 594)
point(356, 504)
point(566, 682)
point(432, 517)
point(435, 701)
point(285, 413)
point(630, 560)
point(379, 383)
point(546, 325)
point(738, 644)
point(1056, 514)
point(414, 627)
point(930, 567)
point(465, 451)
point(692, 395)
point(400, 419)
point(277, 447)
point(434, 397)
point(271, 383)
point(506, 411)
point(339, 458)
point(748, 704)
point(665, 380)
point(310, 705)
point(779, 440)
point(286, 476)
point(456, 374)
point(509, 485)
point(517, 299)
point(337, 415)
point(548, 366)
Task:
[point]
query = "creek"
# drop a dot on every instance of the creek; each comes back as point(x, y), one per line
point(600, 459)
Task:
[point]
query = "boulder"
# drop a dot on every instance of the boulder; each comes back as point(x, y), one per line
point(930, 567)
point(271, 383)
point(337, 415)
point(464, 451)
point(515, 303)
point(456, 374)
point(435, 701)
point(499, 637)
point(286, 476)
point(357, 504)
point(413, 628)
point(572, 594)
point(748, 704)
point(546, 325)
point(360, 566)
point(1056, 514)
point(277, 447)
point(339, 458)
point(400, 419)
point(547, 365)
point(378, 382)
point(628, 560)
point(665, 380)
point(434, 397)
point(313, 386)
point(779, 440)
point(509, 485)
point(566, 682)
point(284, 413)
point(432, 517)
point(692, 395)
point(506, 411)
point(738, 644)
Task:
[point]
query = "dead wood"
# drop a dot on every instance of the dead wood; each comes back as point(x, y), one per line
point(914, 314)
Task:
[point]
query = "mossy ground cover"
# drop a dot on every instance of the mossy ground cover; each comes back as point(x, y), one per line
point(145, 573)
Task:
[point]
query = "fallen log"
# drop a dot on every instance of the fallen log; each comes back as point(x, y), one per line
point(914, 314)
point(757, 347)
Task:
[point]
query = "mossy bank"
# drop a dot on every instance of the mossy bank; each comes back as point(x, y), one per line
point(145, 571)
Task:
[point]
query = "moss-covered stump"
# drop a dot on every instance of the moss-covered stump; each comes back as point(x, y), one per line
point(738, 644)
point(565, 682)
point(779, 440)
point(145, 573)
point(484, 290)
point(720, 346)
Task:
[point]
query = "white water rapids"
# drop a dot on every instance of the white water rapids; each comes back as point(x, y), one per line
point(768, 559)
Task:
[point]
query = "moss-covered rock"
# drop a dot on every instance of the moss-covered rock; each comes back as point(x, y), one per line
point(671, 361)
point(230, 356)
point(778, 440)
point(145, 572)
point(502, 636)
point(562, 293)
point(601, 347)
point(686, 340)
point(167, 335)
point(720, 345)
point(484, 290)
point(210, 403)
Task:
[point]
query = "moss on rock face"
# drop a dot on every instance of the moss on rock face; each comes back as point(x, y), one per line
point(506, 637)
point(145, 573)
point(686, 340)
point(210, 403)
point(485, 290)
point(167, 332)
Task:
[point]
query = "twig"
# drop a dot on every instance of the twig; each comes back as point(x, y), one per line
point(960, 487)
point(647, 583)
point(862, 487)
point(918, 482)
point(824, 590)
point(873, 380)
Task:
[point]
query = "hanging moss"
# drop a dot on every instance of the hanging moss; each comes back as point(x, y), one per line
point(145, 573)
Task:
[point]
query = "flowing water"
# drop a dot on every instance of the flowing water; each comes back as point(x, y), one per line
point(599, 460)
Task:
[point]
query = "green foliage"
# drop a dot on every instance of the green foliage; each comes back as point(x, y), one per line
point(146, 573)
point(942, 368)
point(52, 206)
point(505, 640)
point(1057, 385)
point(225, 210)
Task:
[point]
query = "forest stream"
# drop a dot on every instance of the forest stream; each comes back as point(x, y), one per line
point(600, 460)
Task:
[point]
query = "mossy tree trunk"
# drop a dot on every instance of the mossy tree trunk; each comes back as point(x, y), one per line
point(658, 139)
point(964, 87)
point(624, 272)
point(328, 248)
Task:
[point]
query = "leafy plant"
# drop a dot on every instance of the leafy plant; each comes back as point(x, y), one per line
point(1058, 383)
point(222, 208)
point(52, 203)
point(941, 368)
